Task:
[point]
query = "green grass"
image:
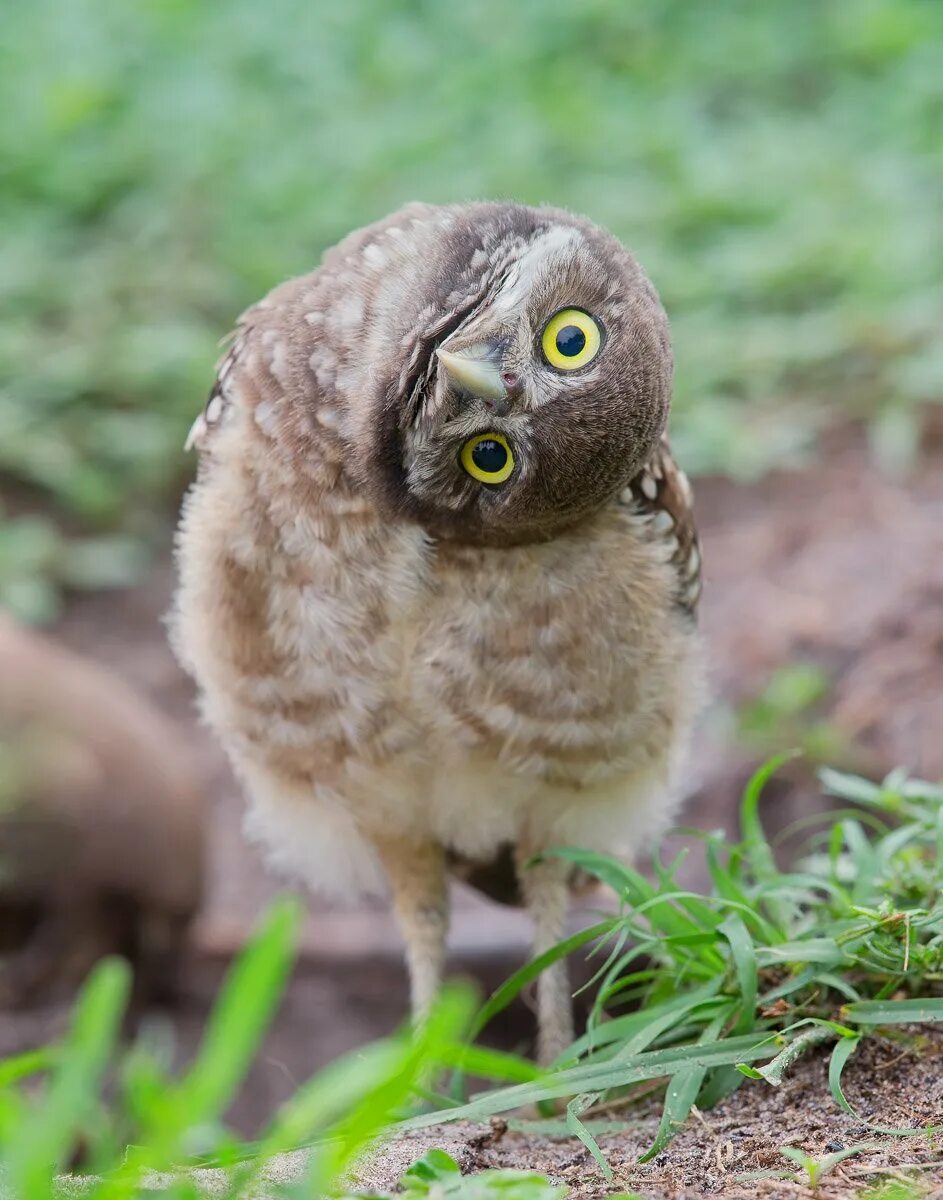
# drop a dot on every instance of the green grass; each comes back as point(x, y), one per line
point(740, 981)
point(55, 1100)
point(437, 1176)
point(710, 991)
point(778, 169)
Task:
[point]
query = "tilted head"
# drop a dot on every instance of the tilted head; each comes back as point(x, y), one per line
point(512, 365)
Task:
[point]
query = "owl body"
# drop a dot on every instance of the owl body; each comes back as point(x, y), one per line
point(372, 683)
point(396, 654)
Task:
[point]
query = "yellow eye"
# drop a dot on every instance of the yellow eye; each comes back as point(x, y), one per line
point(487, 457)
point(571, 339)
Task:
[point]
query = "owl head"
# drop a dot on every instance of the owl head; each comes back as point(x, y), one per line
point(517, 366)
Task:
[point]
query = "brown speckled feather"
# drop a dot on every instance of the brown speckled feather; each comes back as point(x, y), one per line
point(219, 399)
point(660, 498)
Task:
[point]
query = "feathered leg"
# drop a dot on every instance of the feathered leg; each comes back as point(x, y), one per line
point(546, 892)
point(418, 882)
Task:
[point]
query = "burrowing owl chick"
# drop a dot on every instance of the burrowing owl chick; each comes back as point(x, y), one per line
point(438, 572)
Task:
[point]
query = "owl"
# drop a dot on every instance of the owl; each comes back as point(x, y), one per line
point(438, 572)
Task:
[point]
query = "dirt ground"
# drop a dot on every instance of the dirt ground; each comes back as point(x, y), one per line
point(720, 1153)
point(835, 565)
point(732, 1152)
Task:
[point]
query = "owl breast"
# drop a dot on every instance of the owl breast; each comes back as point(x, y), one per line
point(557, 683)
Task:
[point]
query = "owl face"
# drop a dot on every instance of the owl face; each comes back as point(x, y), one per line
point(538, 382)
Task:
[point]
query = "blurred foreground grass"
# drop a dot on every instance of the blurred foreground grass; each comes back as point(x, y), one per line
point(778, 169)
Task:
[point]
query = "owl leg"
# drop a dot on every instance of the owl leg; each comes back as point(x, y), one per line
point(546, 892)
point(419, 886)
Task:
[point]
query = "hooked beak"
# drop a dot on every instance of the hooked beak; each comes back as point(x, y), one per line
point(477, 368)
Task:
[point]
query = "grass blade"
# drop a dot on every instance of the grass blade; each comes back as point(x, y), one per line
point(840, 1056)
point(573, 1123)
point(682, 1091)
point(837, 1063)
point(680, 1095)
point(894, 1012)
point(239, 1018)
point(40, 1146)
point(776, 1068)
point(600, 1077)
point(502, 996)
point(22, 1066)
point(755, 846)
point(744, 957)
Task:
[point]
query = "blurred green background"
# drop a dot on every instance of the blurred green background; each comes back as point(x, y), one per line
point(778, 168)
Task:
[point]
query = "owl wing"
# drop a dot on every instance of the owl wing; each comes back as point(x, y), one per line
point(220, 400)
point(659, 502)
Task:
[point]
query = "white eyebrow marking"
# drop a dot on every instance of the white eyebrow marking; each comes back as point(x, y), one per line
point(552, 243)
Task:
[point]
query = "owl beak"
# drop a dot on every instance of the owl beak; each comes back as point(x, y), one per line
point(476, 368)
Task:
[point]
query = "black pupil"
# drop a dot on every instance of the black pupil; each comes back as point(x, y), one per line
point(570, 341)
point(489, 456)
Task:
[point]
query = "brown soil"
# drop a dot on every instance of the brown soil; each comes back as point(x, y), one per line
point(834, 565)
point(721, 1152)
